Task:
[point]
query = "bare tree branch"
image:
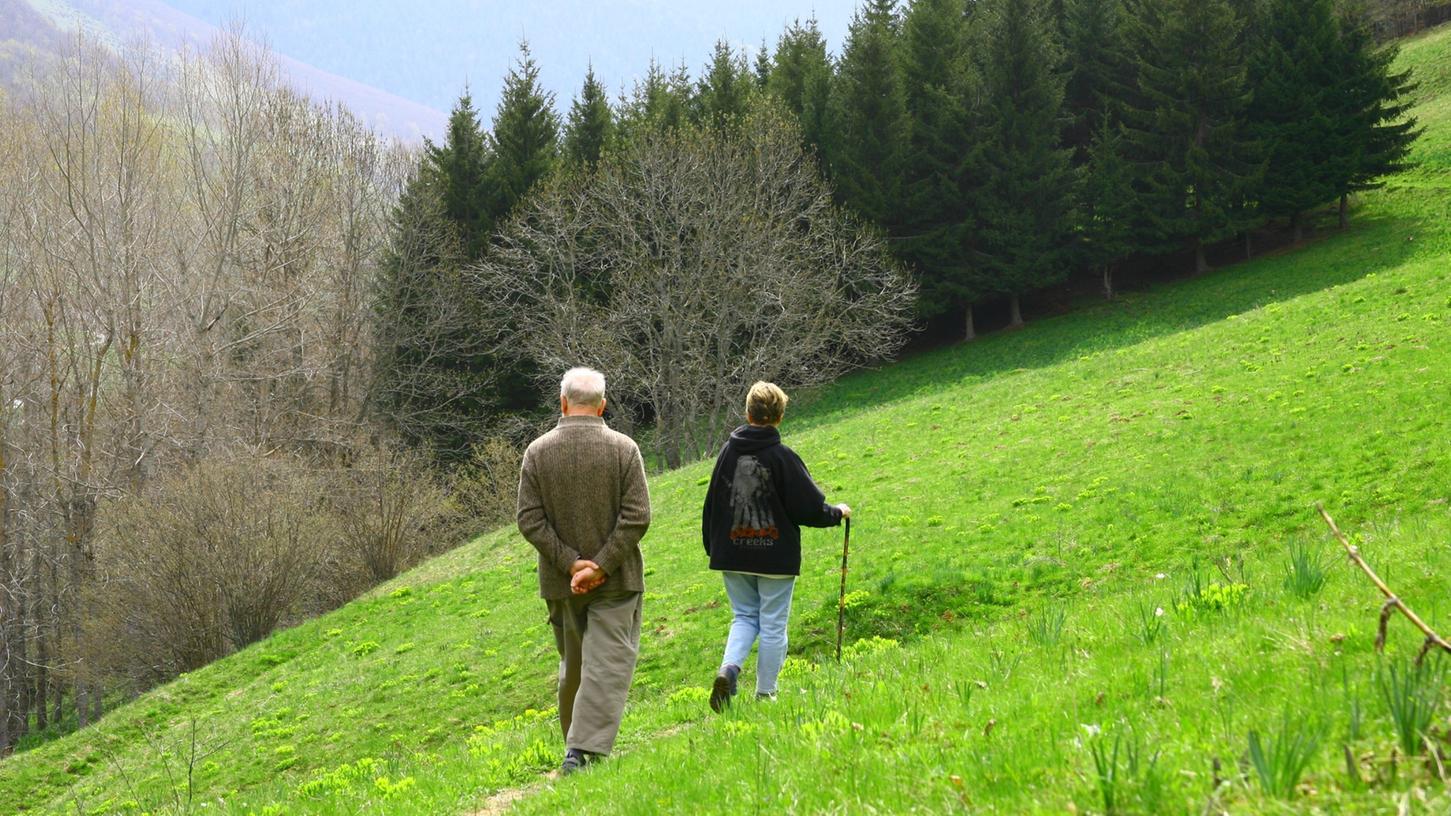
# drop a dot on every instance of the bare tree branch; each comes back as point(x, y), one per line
point(1393, 601)
point(690, 265)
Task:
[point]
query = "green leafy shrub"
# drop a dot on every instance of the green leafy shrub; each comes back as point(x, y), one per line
point(339, 779)
point(1213, 597)
point(867, 647)
point(690, 696)
point(797, 667)
point(388, 788)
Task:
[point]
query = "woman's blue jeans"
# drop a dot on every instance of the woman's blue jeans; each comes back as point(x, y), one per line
point(762, 608)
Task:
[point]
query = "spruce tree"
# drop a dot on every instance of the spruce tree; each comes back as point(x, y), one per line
point(1106, 204)
point(430, 380)
point(459, 169)
point(1186, 125)
point(526, 151)
point(1251, 15)
point(1292, 74)
point(1100, 69)
point(1373, 132)
point(801, 79)
point(725, 88)
point(1026, 187)
point(870, 127)
point(941, 146)
point(591, 126)
point(680, 101)
point(762, 66)
point(658, 102)
point(526, 135)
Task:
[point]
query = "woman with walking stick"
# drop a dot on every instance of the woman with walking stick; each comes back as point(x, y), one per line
point(760, 496)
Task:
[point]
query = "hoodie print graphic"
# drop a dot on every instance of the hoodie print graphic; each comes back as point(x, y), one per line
point(752, 524)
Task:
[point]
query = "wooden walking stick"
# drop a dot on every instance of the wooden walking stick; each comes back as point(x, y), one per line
point(841, 600)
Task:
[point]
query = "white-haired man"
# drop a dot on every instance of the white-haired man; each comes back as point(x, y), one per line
point(584, 505)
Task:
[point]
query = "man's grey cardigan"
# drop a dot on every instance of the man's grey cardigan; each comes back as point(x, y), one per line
point(582, 494)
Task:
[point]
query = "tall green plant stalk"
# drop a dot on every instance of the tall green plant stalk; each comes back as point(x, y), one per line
point(1412, 693)
point(1280, 760)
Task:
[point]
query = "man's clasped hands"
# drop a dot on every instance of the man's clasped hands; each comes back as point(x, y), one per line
point(586, 576)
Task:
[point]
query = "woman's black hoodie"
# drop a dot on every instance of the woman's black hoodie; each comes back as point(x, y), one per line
point(760, 496)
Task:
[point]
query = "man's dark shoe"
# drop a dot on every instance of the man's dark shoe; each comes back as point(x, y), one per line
point(766, 696)
point(724, 687)
point(574, 760)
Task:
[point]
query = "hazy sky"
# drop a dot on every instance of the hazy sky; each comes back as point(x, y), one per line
point(425, 50)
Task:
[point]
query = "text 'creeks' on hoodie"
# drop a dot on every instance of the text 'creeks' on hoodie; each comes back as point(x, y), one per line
point(760, 496)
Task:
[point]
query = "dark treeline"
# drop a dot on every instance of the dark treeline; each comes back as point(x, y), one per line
point(1002, 146)
point(1399, 18)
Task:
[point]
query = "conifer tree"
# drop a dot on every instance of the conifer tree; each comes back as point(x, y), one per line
point(1292, 74)
point(725, 88)
point(1374, 134)
point(801, 79)
point(591, 126)
point(1251, 15)
point(430, 371)
point(869, 117)
point(941, 146)
point(1186, 125)
point(459, 171)
point(658, 102)
point(526, 151)
point(1100, 70)
point(1106, 206)
point(526, 135)
point(1026, 186)
point(762, 66)
point(680, 97)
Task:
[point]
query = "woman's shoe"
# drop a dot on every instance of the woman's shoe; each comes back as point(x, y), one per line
point(724, 687)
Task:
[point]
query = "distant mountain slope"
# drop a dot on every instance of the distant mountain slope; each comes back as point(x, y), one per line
point(31, 30)
point(429, 51)
point(25, 35)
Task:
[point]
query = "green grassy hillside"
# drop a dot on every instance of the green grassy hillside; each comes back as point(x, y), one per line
point(1069, 585)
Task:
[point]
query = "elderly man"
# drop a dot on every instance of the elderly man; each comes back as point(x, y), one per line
point(584, 505)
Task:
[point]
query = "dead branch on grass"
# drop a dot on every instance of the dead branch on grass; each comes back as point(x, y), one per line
point(1392, 602)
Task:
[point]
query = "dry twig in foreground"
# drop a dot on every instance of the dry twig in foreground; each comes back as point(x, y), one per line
point(1392, 601)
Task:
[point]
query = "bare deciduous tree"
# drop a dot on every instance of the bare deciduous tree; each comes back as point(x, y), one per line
point(485, 490)
point(207, 561)
point(386, 504)
point(691, 264)
point(186, 250)
point(18, 388)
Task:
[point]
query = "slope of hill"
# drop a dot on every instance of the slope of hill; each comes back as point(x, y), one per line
point(1072, 588)
point(34, 30)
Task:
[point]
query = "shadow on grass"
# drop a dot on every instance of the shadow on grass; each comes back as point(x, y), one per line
point(902, 607)
point(1371, 244)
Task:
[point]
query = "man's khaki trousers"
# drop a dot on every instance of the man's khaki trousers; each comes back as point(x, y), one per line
point(598, 637)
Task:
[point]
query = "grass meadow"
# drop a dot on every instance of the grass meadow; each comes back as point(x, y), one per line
point(1087, 576)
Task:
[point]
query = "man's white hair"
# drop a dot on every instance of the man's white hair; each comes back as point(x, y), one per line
point(582, 386)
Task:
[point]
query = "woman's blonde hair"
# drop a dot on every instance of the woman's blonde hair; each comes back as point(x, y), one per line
point(765, 404)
